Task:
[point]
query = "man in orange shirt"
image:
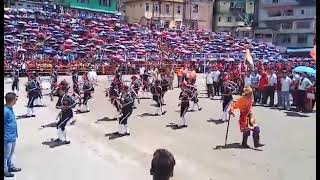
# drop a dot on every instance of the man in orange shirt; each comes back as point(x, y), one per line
point(246, 121)
point(180, 76)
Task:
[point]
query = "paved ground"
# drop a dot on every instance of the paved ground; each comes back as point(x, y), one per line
point(289, 154)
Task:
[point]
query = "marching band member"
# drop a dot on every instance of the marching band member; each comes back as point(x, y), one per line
point(226, 99)
point(15, 82)
point(156, 91)
point(32, 90)
point(165, 86)
point(134, 88)
point(126, 111)
point(185, 96)
point(68, 102)
point(244, 104)
point(87, 88)
point(38, 99)
point(114, 94)
point(194, 97)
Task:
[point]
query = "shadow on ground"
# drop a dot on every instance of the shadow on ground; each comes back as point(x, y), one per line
point(146, 114)
point(233, 146)
point(295, 114)
point(52, 143)
point(25, 116)
point(173, 126)
point(113, 135)
point(216, 121)
point(106, 119)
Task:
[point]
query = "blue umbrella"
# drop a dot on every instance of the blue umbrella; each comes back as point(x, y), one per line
point(305, 69)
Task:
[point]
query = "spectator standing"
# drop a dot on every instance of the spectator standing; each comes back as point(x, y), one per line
point(10, 134)
point(209, 82)
point(255, 84)
point(180, 76)
point(272, 82)
point(285, 87)
point(279, 94)
point(247, 80)
point(262, 87)
point(216, 74)
point(304, 83)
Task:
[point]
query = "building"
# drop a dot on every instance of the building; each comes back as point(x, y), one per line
point(199, 14)
point(102, 6)
point(287, 23)
point(233, 15)
point(167, 13)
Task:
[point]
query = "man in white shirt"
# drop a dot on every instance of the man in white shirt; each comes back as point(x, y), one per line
point(216, 74)
point(285, 87)
point(304, 83)
point(255, 84)
point(272, 82)
point(247, 80)
point(209, 82)
point(141, 71)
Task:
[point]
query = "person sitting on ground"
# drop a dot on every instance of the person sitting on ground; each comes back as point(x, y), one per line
point(162, 165)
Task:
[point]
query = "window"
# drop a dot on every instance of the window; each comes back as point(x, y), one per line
point(219, 19)
point(229, 19)
point(275, 1)
point(268, 35)
point(178, 24)
point(178, 9)
point(147, 7)
point(274, 13)
point(288, 12)
point(195, 8)
point(287, 25)
point(303, 25)
point(167, 8)
point(231, 4)
point(251, 4)
point(155, 7)
point(302, 11)
point(302, 39)
point(166, 24)
point(105, 2)
point(286, 39)
point(84, 1)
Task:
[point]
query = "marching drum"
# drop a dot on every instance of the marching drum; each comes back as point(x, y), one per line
point(234, 88)
point(45, 84)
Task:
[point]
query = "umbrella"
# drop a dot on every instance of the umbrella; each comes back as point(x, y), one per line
point(305, 69)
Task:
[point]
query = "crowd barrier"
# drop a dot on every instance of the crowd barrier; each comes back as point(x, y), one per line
point(100, 69)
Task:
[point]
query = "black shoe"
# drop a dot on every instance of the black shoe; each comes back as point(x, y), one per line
point(127, 134)
point(245, 146)
point(57, 140)
point(164, 112)
point(184, 126)
point(258, 145)
point(14, 169)
point(66, 142)
point(200, 109)
point(7, 174)
point(156, 114)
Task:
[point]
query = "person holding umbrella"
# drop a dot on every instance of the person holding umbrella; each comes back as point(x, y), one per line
point(246, 121)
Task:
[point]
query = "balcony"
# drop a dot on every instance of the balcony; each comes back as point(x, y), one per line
point(270, 4)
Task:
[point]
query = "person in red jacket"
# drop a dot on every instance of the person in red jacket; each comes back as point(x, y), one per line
point(262, 87)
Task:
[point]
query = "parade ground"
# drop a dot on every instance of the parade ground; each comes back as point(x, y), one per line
point(289, 153)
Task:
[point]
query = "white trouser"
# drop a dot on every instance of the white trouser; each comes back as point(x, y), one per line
point(62, 135)
point(182, 121)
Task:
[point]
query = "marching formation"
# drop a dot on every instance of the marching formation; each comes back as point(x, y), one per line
point(124, 96)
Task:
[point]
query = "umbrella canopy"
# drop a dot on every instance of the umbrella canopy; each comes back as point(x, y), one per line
point(305, 69)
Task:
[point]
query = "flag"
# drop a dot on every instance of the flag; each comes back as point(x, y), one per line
point(248, 59)
point(313, 53)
